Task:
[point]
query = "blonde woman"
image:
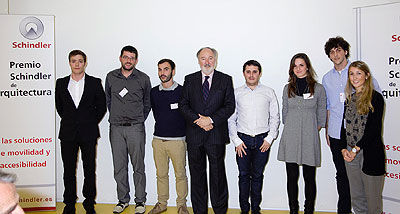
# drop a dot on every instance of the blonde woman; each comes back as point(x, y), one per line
point(361, 140)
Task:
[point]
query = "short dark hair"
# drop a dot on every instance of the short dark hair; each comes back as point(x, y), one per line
point(129, 49)
point(76, 52)
point(171, 63)
point(336, 42)
point(252, 62)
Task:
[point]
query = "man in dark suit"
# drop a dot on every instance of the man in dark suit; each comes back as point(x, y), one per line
point(81, 104)
point(207, 103)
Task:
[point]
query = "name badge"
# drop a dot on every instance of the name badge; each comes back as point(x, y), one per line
point(174, 105)
point(123, 92)
point(307, 96)
point(342, 97)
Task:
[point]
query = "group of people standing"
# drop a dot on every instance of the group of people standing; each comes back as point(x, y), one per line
point(206, 113)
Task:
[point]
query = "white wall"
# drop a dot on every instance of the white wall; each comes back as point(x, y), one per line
point(268, 31)
point(3, 6)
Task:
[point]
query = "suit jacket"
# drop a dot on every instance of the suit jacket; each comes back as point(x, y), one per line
point(220, 105)
point(84, 120)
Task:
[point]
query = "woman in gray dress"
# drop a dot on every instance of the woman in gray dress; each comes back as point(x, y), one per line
point(303, 115)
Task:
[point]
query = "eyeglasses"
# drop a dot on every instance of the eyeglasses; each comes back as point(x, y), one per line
point(128, 58)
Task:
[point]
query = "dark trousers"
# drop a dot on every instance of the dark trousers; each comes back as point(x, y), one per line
point(251, 172)
point(69, 154)
point(342, 182)
point(197, 155)
point(310, 189)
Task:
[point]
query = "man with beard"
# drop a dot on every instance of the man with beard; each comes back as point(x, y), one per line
point(207, 103)
point(169, 138)
point(128, 102)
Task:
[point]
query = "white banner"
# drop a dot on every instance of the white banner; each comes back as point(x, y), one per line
point(27, 113)
point(379, 46)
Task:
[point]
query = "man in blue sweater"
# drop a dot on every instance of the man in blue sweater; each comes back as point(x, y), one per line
point(169, 138)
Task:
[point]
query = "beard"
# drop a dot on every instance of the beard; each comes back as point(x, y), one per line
point(167, 78)
point(207, 69)
point(127, 68)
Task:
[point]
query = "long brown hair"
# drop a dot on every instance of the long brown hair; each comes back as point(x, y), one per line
point(310, 78)
point(365, 96)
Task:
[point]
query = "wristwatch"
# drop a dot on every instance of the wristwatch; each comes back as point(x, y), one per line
point(354, 150)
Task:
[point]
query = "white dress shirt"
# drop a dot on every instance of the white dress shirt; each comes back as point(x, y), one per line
point(256, 112)
point(203, 78)
point(75, 89)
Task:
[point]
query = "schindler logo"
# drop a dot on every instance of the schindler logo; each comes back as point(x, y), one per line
point(31, 28)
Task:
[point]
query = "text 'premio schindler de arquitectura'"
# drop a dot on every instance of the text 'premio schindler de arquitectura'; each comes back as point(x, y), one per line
point(27, 133)
point(22, 71)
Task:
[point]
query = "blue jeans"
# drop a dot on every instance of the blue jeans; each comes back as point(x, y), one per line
point(251, 171)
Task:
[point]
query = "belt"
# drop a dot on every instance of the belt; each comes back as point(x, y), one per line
point(124, 124)
point(265, 133)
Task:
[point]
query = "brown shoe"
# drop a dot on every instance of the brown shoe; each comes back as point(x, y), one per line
point(183, 210)
point(158, 208)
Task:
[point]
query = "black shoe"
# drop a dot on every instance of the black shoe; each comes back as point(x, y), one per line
point(89, 208)
point(294, 209)
point(244, 212)
point(69, 209)
point(255, 212)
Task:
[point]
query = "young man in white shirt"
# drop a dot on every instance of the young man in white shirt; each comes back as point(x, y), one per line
point(252, 128)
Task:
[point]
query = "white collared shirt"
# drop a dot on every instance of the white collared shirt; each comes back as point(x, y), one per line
point(256, 112)
point(75, 89)
point(203, 77)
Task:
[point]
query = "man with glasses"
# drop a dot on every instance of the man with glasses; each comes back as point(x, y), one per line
point(128, 101)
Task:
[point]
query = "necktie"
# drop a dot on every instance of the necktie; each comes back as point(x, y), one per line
point(206, 88)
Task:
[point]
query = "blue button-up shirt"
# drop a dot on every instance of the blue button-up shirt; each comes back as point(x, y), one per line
point(334, 83)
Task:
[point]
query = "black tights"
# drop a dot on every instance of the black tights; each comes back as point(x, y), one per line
point(292, 172)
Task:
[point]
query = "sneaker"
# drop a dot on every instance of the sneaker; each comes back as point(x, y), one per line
point(158, 208)
point(120, 207)
point(183, 210)
point(140, 208)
